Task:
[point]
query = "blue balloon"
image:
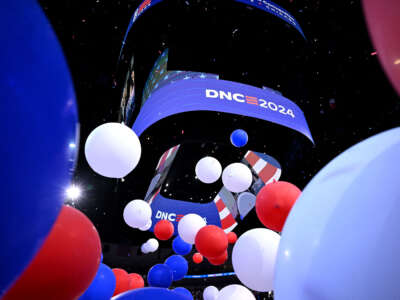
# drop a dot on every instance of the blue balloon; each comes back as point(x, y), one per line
point(178, 265)
point(150, 293)
point(239, 138)
point(180, 246)
point(341, 238)
point(184, 292)
point(102, 286)
point(38, 126)
point(160, 275)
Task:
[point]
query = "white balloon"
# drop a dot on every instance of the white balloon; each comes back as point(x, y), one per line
point(147, 226)
point(210, 293)
point(137, 213)
point(152, 245)
point(208, 169)
point(254, 257)
point(113, 150)
point(235, 292)
point(188, 227)
point(237, 177)
point(144, 248)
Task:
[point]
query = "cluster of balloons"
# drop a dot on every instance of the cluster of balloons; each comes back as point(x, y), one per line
point(150, 246)
point(137, 214)
point(236, 177)
point(212, 242)
point(113, 150)
point(126, 282)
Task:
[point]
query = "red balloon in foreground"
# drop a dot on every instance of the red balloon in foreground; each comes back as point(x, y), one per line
point(65, 265)
point(136, 281)
point(164, 230)
point(211, 241)
point(197, 258)
point(122, 281)
point(232, 237)
point(220, 260)
point(274, 202)
point(384, 27)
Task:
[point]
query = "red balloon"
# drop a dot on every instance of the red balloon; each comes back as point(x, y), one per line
point(136, 281)
point(274, 202)
point(164, 230)
point(65, 265)
point(211, 241)
point(384, 27)
point(197, 258)
point(220, 260)
point(232, 237)
point(122, 281)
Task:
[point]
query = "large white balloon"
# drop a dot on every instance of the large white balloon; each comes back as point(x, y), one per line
point(253, 258)
point(341, 238)
point(235, 292)
point(147, 226)
point(137, 213)
point(188, 227)
point(208, 169)
point(237, 177)
point(210, 293)
point(152, 245)
point(113, 150)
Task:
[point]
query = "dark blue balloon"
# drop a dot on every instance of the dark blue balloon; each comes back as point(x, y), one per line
point(239, 138)
point(181, 247)
point(102, 286)
point(178, 265)
point(185, 292)
point(151, 293)
point(38, 125)
point(160, 275)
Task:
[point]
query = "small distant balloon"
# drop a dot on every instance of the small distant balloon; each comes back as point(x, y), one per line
point(197, 258)
point(113, 150)
point(180, 246)
point(164, 230)
point(237, 177)
point(208, 169)
point(239, 138)
point(152, 245)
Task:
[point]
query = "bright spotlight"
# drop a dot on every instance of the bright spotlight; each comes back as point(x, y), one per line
point(73, 192)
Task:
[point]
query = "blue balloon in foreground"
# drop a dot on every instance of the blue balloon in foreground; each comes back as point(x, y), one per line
point(239, 138)
point(38, 123)
point(150, 293)
point(184, 292)
point(160, 275)
point(178, 265)
point(341, 239)
point(102, 286)
point(181, 247)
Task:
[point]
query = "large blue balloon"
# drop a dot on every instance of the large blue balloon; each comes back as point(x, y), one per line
point(178, 265)
point(38, 125)
point(180, 246)
point(184, 292)
point(150, 293)
point(102, 286)
point(239, 138)
point(160, 275)
point(341, 238)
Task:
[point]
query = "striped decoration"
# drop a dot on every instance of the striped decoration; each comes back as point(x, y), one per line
point(267, 172)
point(228, 222)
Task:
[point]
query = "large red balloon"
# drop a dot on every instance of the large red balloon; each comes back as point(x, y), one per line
point(220, 260)
point(211, 241)
point(232, 237)
point(274, 202)
point(164, 230)
point(65, 265)
point(136, 281)
point(122, 281)
point(384, 27)
point(197, 258)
